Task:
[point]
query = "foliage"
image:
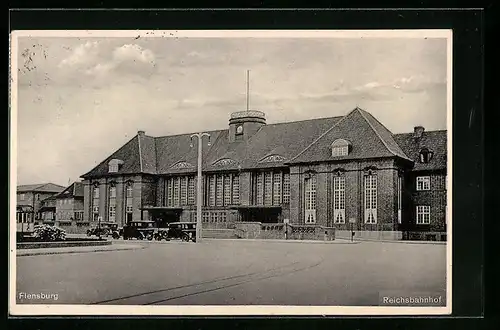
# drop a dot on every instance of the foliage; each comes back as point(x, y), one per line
point(49, 233)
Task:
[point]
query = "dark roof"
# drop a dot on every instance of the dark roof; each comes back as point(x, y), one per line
point(435, 141)
point(292, 142)
point(41, 187)
point(74, 190)
point(368, 139)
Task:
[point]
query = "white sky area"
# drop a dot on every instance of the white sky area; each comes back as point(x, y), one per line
point(80, 99)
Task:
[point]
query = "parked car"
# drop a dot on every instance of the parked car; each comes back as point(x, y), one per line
point(182, 230)
point(161, 233)
point(139, 230)
point(105, 229)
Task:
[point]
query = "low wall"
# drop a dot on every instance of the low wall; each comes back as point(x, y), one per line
point(371, 234)
point(258, 230)
point(42, 245)
point(71, 227)
point(310, 232)
point(424, 236)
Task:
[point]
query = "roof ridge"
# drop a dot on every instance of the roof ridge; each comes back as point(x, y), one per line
point(165, 136)
point(302, 120)
point(379, 136)
point(323, 134)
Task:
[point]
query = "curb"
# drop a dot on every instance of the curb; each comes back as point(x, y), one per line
point(36, 253)
point(336, 241)
point(398, 241)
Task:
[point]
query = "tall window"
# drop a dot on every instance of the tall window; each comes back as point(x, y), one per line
point(22, 197)
point(183, 183)
point(170, 192)
point(191, 191)
point(95, 203)
point(112, 204)
point(423, 214)
point(211, 190)
point(218, 199)
point(371, 199)
point(129, 206)
point(423, 183)
point(227, 189)
point(310, 199)
point(339, 199)
point(260, 190)
point(400, 198)
point(236, 189)
point(176, 191)
point(277, 188)
point(286, 188)
point(268, 188)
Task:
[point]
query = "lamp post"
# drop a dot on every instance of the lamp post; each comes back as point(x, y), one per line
point(198, 190)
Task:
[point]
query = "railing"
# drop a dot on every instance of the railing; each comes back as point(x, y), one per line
point(248, 113)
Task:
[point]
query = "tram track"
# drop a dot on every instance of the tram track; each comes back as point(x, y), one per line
point(189, 290)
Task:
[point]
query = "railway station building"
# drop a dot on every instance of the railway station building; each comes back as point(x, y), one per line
point(346, 172)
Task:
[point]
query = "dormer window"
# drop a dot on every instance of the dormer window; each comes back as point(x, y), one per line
point(340, 147)
point(114, 165)
point(425, 155)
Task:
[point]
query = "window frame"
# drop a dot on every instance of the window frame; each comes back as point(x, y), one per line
point(421, 212)
point(425, 181)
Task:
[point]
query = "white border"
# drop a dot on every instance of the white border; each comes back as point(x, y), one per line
point(39, 310)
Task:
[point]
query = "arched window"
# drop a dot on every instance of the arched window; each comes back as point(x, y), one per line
point(310, 198)
point(95, 202)
point(339, 197)
point(340, 147)
point(426, 155)
point(370, 187)
point(128, 201)
point(112, 203)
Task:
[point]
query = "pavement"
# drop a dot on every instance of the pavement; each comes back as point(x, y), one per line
point(233, 272)
point(77, 249)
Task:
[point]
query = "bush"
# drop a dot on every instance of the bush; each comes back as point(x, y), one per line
point(49, 233)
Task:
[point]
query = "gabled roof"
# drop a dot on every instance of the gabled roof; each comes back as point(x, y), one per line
point(41, 187)
point(128, 153)
point(368, 138)
point(72, 191)
point(436, 141)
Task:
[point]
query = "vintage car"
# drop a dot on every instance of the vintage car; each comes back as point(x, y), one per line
point(182, 230)
point(139, 230)
point(105, 229)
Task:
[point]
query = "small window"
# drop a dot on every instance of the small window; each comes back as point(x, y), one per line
point(22, 197)
point(426, 155)
point(423, 214)
point(114, 165)
point(423, 183)
point(340, 147)
point(239, 130)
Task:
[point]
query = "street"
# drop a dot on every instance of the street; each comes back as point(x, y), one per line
point(229, 272)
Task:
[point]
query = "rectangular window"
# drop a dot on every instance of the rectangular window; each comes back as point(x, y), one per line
point(227, 189)
point(236, 189)
point(96, 192)
point(22, 197)
point(286, 188)
point(340, 151)
point(423, 183)
point(371, 199)
point(205, 217)
point(211, 190)
point(310, 199)
point(223, 217)
point(339, 199)
point(400, 198)
point(268, 188)
point(423, 214)
point(191, 191)
point(170, 192)
point(219, 191)
point(177, 182)
point(277, 188)
point(260, 189)
point(128, 201)
point(112, 204)
point(184, 190)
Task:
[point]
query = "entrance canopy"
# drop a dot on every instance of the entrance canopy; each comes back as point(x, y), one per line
point(256, 207)
point(259, 213)
point(162, 208)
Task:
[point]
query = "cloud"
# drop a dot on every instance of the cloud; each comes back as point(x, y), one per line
point(133, 52)
point(82, 54)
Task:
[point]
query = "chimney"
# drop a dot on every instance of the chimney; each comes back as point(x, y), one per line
point(418, 131)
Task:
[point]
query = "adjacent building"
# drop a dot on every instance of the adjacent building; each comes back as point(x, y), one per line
point(347, 172)
point(31, 200)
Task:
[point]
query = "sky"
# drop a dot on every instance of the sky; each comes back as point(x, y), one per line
point(79, 99)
